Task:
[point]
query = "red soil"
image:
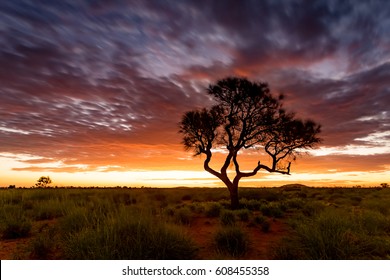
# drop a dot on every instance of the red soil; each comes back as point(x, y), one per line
point(12, 248)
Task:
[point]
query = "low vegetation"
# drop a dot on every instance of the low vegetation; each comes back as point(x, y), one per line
point(231, 241)
point(194, 223)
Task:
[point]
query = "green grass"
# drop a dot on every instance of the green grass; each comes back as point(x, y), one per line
point(213, 209)
point(43, 244)
point(243, 214)
point(14, 223)
point(231, 241)
point(323, 223)
point(48, 209)
point(129, 236)
point(336, 234)
point(183, 216)
point(227, 218)
point(273, 209)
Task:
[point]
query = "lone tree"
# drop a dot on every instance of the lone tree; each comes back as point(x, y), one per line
point(43, 182)
point(246, 116)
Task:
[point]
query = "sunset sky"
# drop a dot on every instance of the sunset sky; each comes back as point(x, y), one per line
point(91, 92)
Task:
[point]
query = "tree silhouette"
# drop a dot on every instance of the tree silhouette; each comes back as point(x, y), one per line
point(43, 182)
point(246, 116)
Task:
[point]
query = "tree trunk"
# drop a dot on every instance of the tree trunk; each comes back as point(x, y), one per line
point(234, 202)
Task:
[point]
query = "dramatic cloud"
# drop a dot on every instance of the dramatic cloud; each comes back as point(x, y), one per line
point(101, 85)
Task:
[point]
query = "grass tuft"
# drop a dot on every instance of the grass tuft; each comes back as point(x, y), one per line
point(125, 236)
point(14, 223)
point(227, 218)
point(231, 241)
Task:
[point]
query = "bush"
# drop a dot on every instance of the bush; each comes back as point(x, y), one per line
point(231, 241)
point(328, 236)
point(123, 198)
point(197, 207)
point(251, 204)
point(312, 208)
point(169, 211)
point(42, 245)
point(74, 220)
point(14, 223)
point(49, 209)
point(243, 214)
point(266, 226)
point(227, 218)
point(381, 206)
point(213, 209)
point(374, 223)
point(333, 235)
point(272, 210)
point(186, 197)
point(183, 216)
point(123, 236)
point(259, 220)
point(263, 222)
point(295, 203)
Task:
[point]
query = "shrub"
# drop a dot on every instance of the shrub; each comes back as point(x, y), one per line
point(231, 241)
point(186, 197)
point(272, 210)
point(259, 220)
point(271, 195)
point(160, 197)
point(227, 218)
point(197, 207)
point(14, 223)
point(373, 222)
point(169, 211)
point(264, 223)
point(295, 203)
point(16, 229)
point(41, 194)
point(243, 214)
point(183, 216)
point(213, 209)
point(266, 226)
point(42, 245)
point(312, 208)
point(251, 204)
point(328, 236)
point(49, 209)
point(331, 235)
point(381, 206)
point(125, 236)
point(74, 220)
point(11, 197)
point(123, 198)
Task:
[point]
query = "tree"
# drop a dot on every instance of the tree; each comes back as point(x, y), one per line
point(43, 182)
point(246, 116)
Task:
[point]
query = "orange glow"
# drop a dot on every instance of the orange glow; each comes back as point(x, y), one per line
point(165, 168)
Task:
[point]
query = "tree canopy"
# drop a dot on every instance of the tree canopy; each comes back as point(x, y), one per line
point(43, 182)
point(246, 115)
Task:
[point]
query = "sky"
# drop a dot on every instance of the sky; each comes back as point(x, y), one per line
point(91, 92)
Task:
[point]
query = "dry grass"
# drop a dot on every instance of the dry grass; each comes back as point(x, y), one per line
point(324, 223)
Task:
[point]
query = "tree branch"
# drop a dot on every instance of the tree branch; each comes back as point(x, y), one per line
point(207, 166)
point(274, 170)
point(253, 173)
